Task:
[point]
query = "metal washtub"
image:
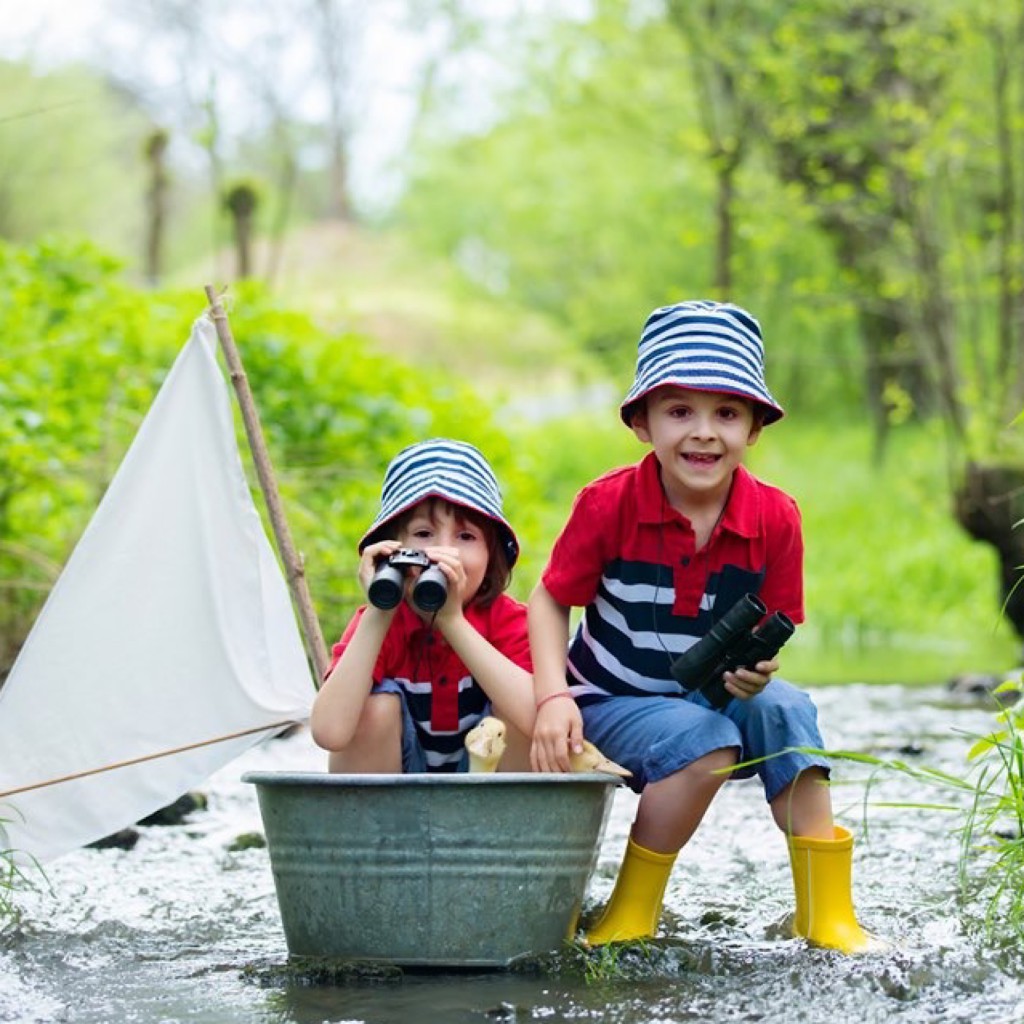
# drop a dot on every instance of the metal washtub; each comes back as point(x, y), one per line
point(466, 870)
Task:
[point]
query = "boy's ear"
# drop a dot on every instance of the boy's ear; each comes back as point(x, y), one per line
point(756, 426)
point(638, 423)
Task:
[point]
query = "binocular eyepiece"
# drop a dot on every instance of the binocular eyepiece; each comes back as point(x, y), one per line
point(429, 592)
point(731, 643)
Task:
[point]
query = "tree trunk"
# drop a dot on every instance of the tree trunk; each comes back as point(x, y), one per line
point(156, 204)
point(241, 202)
point(989, 505)
point(725, 222)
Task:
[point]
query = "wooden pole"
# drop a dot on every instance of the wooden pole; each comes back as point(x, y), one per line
point(295, 572)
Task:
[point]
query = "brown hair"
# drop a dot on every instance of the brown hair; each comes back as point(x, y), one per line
point(498, 573)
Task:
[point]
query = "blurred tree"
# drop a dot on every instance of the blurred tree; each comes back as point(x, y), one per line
point(848, 128)
point(719, 58)
point(241, 200)
point(591, 197)
point(155, 151)
point(340, 25)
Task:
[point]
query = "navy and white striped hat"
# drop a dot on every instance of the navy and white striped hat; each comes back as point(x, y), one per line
point(441, 468)
point(707, 346)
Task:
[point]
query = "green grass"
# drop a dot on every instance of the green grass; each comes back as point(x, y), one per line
point(14, 879)
point(991, 827)
point(11, 879)
point(994, 833)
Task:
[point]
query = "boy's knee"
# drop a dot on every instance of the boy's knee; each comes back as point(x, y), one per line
point(713, 769)
point(379, 722)
point(779, 708)
point(724, 757)
point(382, 715)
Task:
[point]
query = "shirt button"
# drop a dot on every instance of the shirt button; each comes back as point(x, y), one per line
point(684, 561)
point(443, 681)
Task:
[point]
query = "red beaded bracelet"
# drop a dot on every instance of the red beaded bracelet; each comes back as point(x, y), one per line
point(554, 696)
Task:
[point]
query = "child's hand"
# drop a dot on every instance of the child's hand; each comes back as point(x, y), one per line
point(372, 556)
point(449, 561)
point(557, 731)
point(745, 683)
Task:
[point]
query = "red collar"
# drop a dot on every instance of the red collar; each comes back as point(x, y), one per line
point(742, 510)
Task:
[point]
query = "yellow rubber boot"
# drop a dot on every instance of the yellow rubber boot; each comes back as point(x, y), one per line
point(822, 876)
point(635, 904)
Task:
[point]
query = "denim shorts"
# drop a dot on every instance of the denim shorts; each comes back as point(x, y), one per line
point(414, 757)
point(654, 736)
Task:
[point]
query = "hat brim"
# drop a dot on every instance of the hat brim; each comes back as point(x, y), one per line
point(381, 526)
point(627, 410)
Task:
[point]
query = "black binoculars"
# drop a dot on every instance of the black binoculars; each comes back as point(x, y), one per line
point(731, 643)
point(429, 592)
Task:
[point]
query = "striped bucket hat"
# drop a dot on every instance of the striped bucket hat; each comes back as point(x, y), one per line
point(707, 346)
point(441, 468)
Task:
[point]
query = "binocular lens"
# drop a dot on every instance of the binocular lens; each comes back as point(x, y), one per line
point(430, 591)
point(385, 590)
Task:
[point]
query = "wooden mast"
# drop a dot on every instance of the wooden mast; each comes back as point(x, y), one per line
point(295, 572)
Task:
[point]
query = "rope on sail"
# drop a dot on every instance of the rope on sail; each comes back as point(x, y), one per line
point(273, 726)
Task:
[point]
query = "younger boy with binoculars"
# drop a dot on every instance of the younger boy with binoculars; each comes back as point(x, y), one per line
point(439, 646)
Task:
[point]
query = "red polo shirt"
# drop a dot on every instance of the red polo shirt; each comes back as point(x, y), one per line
point(440, 692)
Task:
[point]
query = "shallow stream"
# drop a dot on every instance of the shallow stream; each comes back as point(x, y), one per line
point(182, 929)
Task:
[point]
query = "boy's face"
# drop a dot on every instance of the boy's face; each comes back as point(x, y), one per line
point(435, 524)
point(699, 438)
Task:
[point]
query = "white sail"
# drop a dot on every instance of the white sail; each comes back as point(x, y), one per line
point(169, 629)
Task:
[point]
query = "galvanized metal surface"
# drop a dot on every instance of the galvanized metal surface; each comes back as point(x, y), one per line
point(457, 870)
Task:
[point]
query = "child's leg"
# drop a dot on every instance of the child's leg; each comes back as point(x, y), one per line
point(804, 807)
point(376, 746)
point(782, 718)
point(671, 809)
point(680, 755)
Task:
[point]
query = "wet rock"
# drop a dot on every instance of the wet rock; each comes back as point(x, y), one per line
point(503, 1011)
point(317, 972)
point(175, 813)
point(713, 918)
point(124, 839)
point(980, 686)
point(247, 841)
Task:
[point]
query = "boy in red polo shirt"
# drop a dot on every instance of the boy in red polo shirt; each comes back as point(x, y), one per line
point(407, 683)
point(656, 554)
